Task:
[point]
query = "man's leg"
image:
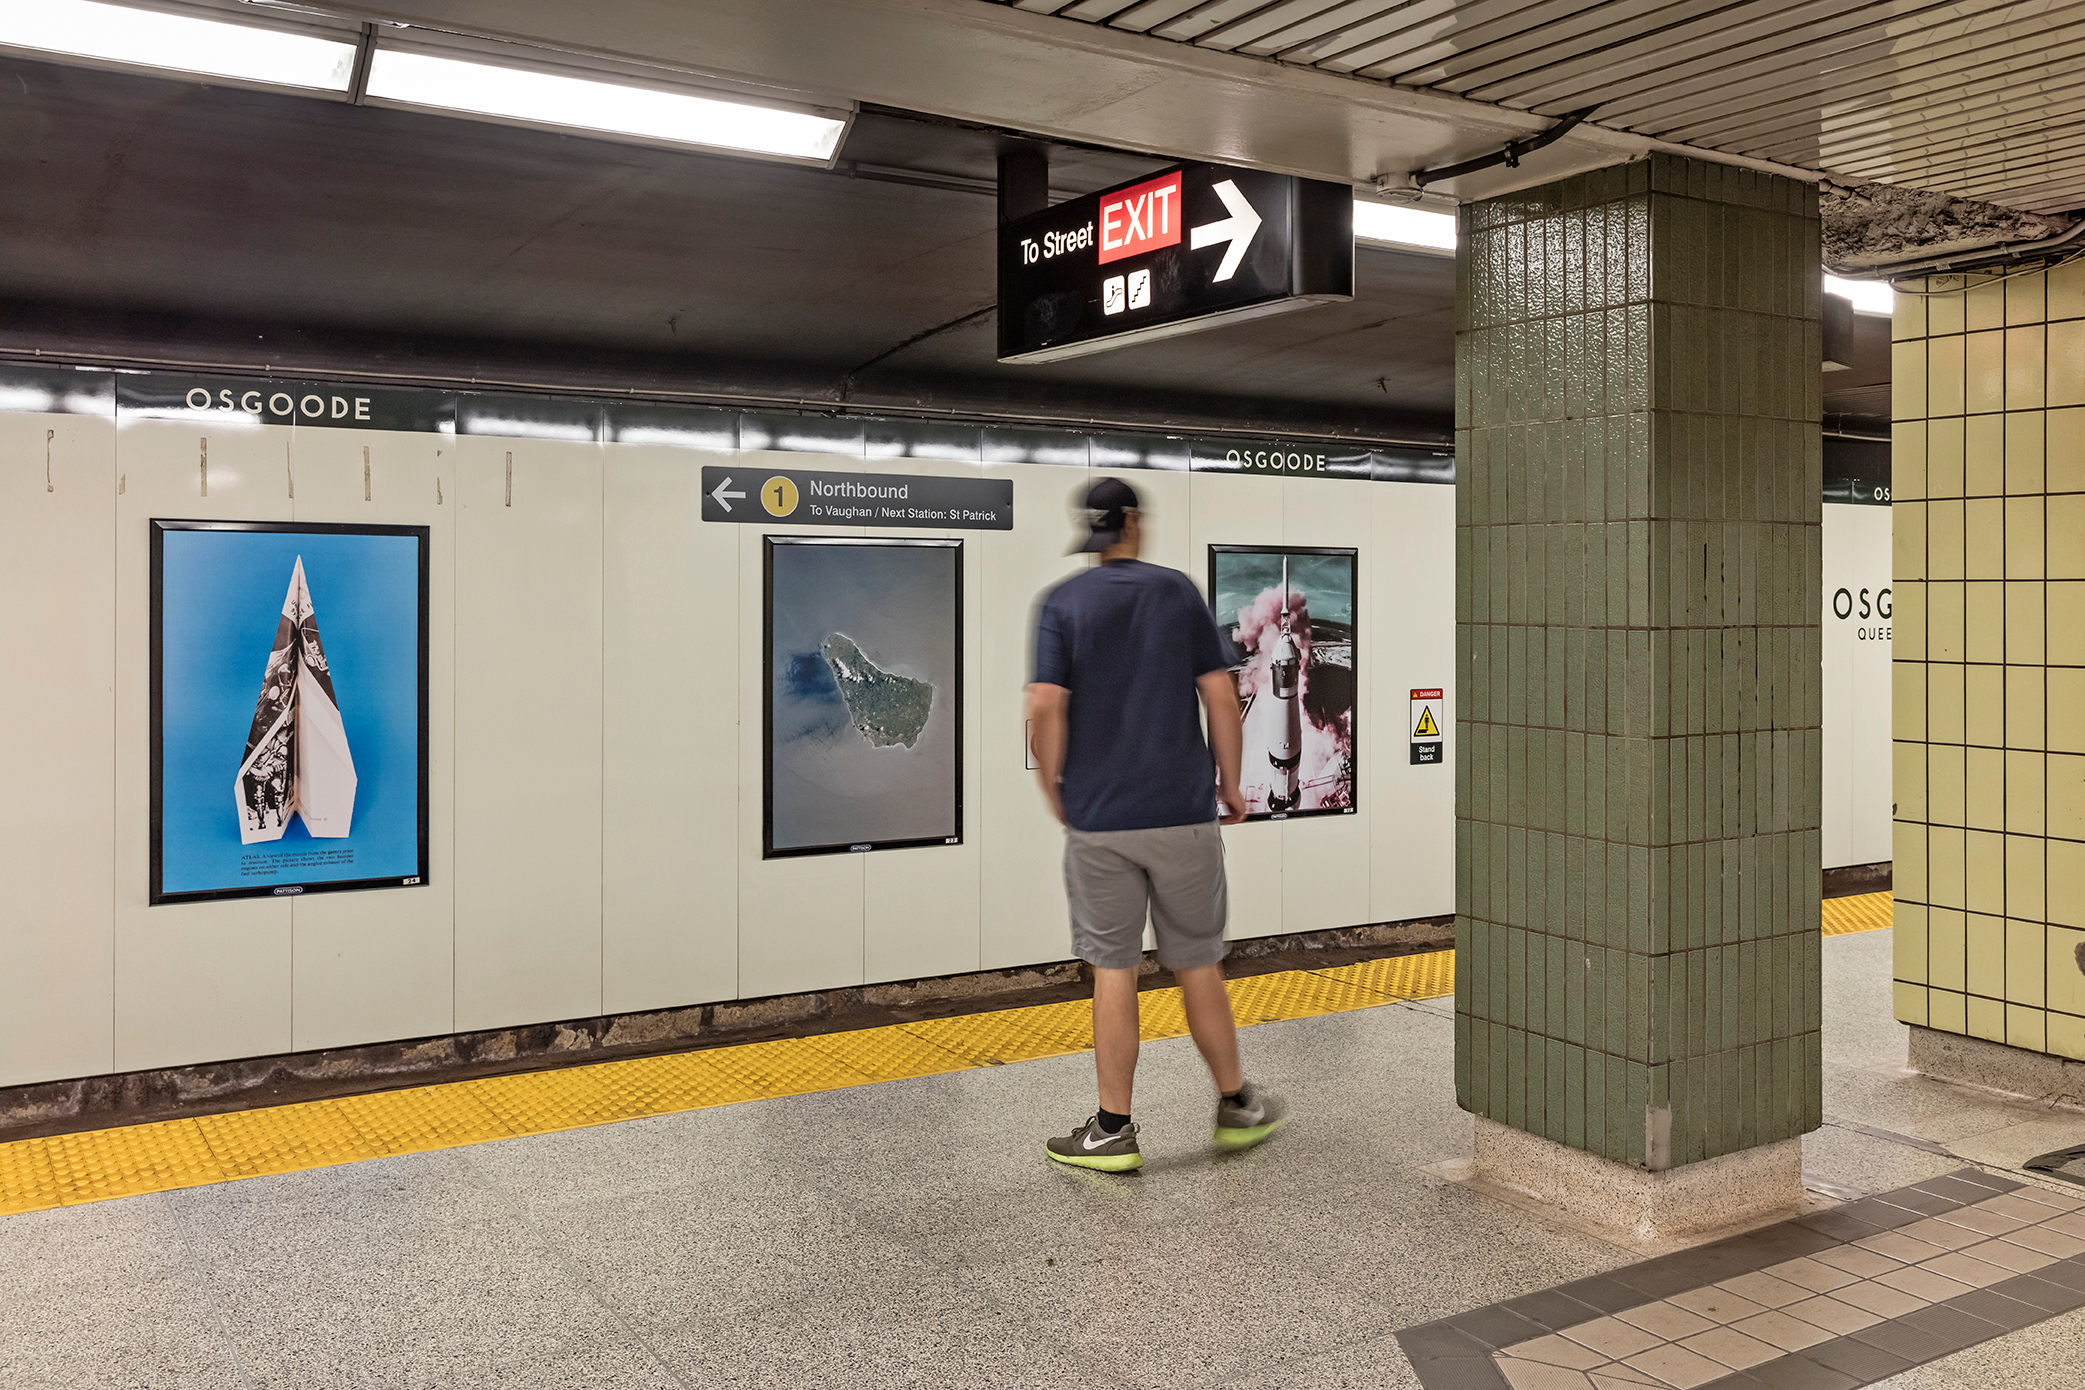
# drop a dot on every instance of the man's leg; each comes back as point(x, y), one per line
point(1190, 903)
point(1209, 1019)
point(1115, 1035)
point(1109, 899)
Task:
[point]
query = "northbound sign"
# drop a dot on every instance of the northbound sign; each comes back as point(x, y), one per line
point(815, 497)
point(1186, 250)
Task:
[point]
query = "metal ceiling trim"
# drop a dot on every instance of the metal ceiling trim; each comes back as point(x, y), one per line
point(1445, 27)
point(1284, 43)
point(1206, 19)
point(1869, 127)
point(1656, 66)
point(1861, 104)
point(1968, 159)
point(1537, 50)
point(1331, 53)
point(1834, 75)
point(1142, 18)
point(1241, 35)
point(1470, 65)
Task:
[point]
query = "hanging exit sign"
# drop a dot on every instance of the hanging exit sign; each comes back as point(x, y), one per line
point(1185, 250)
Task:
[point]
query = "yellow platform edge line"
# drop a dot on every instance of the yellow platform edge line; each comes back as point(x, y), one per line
point(165, 1155)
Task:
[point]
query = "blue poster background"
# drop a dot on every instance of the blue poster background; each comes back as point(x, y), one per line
point(221, 599)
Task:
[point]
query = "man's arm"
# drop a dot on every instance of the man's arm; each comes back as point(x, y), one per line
point(1046, 723)
point(1226, 739)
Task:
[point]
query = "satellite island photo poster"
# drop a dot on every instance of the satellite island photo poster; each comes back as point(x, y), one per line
point(289, 693)
point(1289, 614)
point(864, 694)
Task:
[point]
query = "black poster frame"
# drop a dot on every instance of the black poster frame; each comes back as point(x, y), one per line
point(767, 696)
point(156, 895)
point(1353, 558)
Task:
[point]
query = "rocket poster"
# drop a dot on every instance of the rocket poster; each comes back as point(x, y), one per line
point(289, 708)
point(1289, 614)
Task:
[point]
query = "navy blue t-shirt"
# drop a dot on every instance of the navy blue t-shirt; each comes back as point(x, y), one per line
point(1128, 640)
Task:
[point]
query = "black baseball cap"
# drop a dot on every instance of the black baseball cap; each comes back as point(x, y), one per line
point(1106, 501)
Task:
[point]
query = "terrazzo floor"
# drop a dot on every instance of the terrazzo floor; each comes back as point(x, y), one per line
point(910, 1233)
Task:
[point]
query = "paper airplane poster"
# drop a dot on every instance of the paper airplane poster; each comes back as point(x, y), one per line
point(289, 712)
point(297, 760)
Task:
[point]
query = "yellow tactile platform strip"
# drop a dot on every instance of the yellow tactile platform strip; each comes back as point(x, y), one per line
point(38, 1174)
point(1862, 912)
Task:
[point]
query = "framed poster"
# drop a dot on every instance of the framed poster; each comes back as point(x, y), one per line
point(1289, 612)
point(289, 708)
point(863, 719)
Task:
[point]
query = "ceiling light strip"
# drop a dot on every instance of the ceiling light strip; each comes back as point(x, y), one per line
point(514, 95)
point(117, 34)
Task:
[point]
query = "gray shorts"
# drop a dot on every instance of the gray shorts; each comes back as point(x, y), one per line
point(1175, 872)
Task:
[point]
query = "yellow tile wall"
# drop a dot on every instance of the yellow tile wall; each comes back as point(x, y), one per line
point(1989, 686)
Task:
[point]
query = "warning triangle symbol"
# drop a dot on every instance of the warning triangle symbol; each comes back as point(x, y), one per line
point(1427, 728)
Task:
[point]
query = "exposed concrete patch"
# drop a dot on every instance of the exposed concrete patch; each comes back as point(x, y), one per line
point(1874, 224)
point(101, 1102)
point(1988, 1066)
point(1716, 1194)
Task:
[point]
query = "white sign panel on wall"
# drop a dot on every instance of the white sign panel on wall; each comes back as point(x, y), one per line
point(1858, 801)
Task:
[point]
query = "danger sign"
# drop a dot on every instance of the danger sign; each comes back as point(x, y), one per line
point(1428, 714)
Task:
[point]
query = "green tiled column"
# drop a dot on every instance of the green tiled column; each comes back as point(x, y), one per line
point(1637, 570)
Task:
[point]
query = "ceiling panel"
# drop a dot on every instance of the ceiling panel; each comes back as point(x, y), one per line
point(1980, 98)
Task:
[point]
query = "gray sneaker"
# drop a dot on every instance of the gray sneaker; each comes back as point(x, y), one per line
point(1090, 1146)
point(1256, 1114)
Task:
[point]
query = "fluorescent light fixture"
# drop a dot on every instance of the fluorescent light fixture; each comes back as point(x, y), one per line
point(33, 400)
point(530, 429)
point(715, 440)
point(541, 98)
point(155, 39)
point(1868, 296)
point(1402, 226)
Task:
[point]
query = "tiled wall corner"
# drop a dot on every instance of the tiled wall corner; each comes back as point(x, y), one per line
point(1989, 688)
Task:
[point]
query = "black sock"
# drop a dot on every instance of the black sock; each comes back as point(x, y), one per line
point(1236, 1097)
point(1110, 1122)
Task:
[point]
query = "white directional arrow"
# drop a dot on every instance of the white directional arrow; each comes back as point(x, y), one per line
point(1238, 229)
point(720, 494)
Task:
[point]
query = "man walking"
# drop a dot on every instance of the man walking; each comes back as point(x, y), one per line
point(1122, 651)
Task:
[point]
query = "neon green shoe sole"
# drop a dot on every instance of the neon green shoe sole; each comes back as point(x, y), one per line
point(1107, 1163)
point(1227, 1138)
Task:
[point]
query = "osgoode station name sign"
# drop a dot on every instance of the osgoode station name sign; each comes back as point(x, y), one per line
point(1186, 250)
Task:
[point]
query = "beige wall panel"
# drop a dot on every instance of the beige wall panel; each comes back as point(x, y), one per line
point(800, 919)
point(1021, 847)
point(1232, 510)
point(1167, 499)
point(1870, 806)
point(920, 907)
point(1325, 860)
point(378, 965)
point(528, 732)
point(1409, 577)
point(1835, 833)
point(195, 982)
point(57, 767)
point(671, 612)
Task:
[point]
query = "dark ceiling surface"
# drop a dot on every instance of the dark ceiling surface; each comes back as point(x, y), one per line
point(167, 220)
